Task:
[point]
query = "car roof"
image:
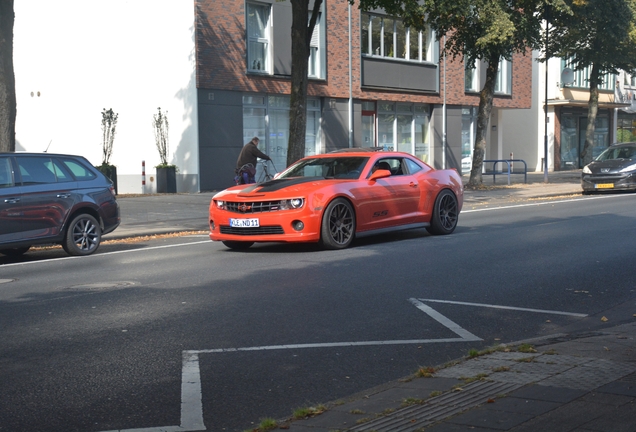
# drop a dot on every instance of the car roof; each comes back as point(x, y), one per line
point(23, 153)
point(357, 151)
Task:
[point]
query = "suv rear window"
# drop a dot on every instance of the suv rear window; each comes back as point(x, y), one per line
point(79, 171)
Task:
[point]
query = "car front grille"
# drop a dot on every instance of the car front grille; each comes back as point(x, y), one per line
point(605, 178)
point(253, 207)
point(263, 230)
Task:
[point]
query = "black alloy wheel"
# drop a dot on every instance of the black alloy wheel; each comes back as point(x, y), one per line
point(83, 236)
point(338, 225)
point(445, 214)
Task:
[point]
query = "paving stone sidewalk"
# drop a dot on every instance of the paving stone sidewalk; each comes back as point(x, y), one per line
point(577, 382)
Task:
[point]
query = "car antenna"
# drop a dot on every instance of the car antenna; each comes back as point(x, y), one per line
point(47, 147)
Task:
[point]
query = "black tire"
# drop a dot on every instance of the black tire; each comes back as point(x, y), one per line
point(15, 252)
point(83, 235)
point(338, 225)
point(445, 214)
point(238, 245)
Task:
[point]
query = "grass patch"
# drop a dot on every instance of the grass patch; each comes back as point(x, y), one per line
point(526, 348)
point(302, 413)
point(412, 401)
point(356, 411)
point(425, 372)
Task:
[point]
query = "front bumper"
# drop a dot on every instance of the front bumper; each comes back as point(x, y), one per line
point(608, 182)
point(281, 226)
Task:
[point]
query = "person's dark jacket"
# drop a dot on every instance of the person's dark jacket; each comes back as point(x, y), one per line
point(249, 154)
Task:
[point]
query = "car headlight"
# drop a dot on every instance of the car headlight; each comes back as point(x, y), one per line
point(632, 167)
point(294, 203)
point(586, 170)
point(220, 204)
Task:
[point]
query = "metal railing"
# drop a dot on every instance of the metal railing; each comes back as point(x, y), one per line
point(509, 163)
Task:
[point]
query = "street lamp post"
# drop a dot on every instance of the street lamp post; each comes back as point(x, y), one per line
point(545, 108)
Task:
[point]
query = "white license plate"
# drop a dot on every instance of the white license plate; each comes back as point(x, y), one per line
point(244, 223)
point(604, 185)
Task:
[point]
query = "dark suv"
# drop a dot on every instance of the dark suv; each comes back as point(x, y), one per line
point(53, 198)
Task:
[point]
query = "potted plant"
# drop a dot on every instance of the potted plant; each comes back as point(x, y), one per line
point(166, 173)
point(109, 128)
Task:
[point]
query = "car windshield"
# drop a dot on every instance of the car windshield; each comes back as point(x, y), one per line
point(618, 152)
point(327, 167)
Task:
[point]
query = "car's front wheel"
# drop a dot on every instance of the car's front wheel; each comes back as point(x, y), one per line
point(14, 252)
point(239, 245)
point(445, 214)
point(338, 225)
point(83, 235)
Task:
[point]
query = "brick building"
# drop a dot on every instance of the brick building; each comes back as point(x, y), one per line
point(372, 83)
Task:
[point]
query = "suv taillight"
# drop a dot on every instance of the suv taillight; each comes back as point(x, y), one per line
point(112, 190)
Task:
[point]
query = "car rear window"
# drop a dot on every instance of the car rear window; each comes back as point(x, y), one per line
point(80, 172)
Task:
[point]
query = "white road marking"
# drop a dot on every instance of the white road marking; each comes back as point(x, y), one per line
point(507, 307)
point(467, 203)
point(192, 396)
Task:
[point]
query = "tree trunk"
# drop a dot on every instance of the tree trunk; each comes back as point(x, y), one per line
point(592, 110)
point(301, 33)
point(483, 118)
point(7, 78)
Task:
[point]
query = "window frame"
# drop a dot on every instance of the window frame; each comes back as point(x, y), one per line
point(390, 28)
point(265, 39)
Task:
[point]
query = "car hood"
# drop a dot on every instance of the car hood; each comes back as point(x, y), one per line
point(295, 185)
point(611, 166)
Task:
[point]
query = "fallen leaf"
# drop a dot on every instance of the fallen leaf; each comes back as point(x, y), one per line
point(606, 348)
point(548, 321)
point(604, 319)
point(491, 400)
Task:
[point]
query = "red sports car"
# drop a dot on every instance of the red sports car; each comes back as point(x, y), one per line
point(333, 198)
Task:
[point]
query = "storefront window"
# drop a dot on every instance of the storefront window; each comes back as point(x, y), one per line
point(421, 126)
point(626, 127)
point(268, 118)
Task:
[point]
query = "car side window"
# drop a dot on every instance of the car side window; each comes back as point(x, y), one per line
point(412, 166)
point(6, 173)
point(36, 170)
point(80, 172)
point(391, 164)
point(62, 173)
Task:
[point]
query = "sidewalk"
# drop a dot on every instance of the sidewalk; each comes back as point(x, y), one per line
point(584, 382)
point(573, 382)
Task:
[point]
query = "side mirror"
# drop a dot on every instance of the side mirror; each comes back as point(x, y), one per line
point(378, 174)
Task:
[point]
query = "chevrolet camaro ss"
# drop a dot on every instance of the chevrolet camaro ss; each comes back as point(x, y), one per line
point(335, 197)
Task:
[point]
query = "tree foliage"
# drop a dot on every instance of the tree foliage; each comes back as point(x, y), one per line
point(161, 128)
point(600, 35)
point(7, 78)
point(476, 30)
point(109, 128)
point(301, 31)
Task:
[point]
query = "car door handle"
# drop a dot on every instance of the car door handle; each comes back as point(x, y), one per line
point(63, 195)
point(412, 184)
point(12, 200)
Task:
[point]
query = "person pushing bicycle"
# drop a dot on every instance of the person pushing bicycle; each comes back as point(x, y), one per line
point(246, 162)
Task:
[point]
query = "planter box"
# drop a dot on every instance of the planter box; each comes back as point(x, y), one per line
point(167, 180)
point(109, 171)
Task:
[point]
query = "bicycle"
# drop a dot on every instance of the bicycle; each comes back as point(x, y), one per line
point(265, 174)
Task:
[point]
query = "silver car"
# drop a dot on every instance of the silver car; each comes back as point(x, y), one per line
point(54, 198)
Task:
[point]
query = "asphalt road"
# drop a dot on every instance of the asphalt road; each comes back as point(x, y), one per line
point(183, 332)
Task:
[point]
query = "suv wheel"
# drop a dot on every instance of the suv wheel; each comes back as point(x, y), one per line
point(83, 235)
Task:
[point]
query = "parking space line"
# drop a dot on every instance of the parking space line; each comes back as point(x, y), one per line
point(191, 392)
point(545, 311)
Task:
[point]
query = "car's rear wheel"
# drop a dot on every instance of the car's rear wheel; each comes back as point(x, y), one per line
point(239, 245)
point(83, 235)
point(338, 225)
point(445, 214)
point(14, 252)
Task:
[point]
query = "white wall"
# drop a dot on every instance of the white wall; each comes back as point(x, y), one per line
point(524, 129)
point(129, 55)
